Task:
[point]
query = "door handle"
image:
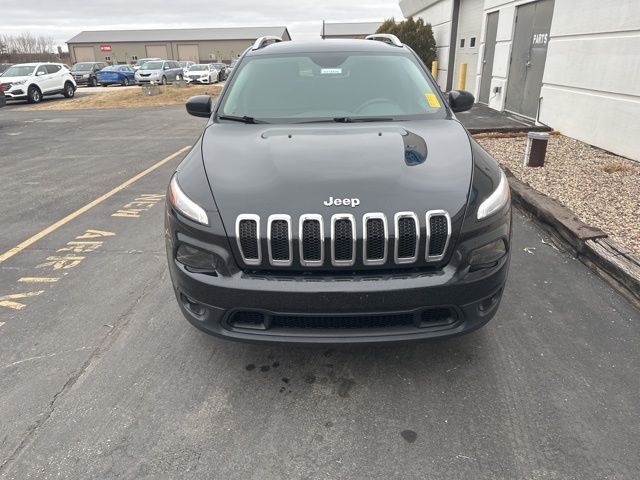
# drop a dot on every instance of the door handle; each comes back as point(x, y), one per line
point(528, 64)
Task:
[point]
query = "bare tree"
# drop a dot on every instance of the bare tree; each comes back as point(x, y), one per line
point(25, 47)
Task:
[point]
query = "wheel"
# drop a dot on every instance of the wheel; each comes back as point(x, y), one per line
point(34, 95)
point(178, 77)
point(125, 82)
point(69, 90)
point(94, 82)
point(164, 80)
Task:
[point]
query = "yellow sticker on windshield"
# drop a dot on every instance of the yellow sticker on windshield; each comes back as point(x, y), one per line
point(432, 100)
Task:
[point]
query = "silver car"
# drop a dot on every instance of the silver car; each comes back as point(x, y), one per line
point(159, 71)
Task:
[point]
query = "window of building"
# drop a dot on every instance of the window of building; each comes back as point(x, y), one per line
point(134, 57)
point(108, 59)
point(462, 43)
point(472, 42)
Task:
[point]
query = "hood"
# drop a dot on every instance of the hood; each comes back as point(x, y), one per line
point(262, 169)
point(80, 72)
point(4, 79)
point(266, 169)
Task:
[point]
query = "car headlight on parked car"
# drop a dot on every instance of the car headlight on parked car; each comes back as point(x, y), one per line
point(18, 82)
point(185, 205)
point(496, 200)
point(85, 75)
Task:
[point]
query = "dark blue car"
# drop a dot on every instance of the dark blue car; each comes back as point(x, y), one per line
point(116, 74)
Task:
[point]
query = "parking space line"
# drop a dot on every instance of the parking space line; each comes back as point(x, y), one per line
point(51, 228)
point(38, 279)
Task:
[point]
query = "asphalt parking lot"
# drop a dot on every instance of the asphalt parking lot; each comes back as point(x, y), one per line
point(101, 377)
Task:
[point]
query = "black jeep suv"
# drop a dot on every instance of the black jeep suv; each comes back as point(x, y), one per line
point(334, 197)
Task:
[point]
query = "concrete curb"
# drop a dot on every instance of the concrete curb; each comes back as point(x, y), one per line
point(616, 264)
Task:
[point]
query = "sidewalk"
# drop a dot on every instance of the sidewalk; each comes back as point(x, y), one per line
point(482, 119)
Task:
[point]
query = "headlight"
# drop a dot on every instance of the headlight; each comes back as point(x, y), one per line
point(86, 75)
point(185, 205)
point(496, 200)
point(18, 82)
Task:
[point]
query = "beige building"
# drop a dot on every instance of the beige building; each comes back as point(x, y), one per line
point(195, 44)
point(348, 29)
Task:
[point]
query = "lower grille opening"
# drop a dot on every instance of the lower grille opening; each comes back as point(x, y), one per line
point(339, 322)
point(248, 319)
point(437, 316)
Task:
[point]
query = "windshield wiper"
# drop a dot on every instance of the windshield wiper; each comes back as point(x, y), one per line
point(243, 119)
point(362, 119)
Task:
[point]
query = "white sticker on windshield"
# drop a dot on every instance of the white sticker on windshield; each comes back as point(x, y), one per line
point(331, 71)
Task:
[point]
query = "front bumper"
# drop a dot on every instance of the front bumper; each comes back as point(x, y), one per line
point(336, 308)
point(197, 80)
point(82, 81)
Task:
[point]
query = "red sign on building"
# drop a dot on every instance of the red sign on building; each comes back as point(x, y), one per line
point(105, 48)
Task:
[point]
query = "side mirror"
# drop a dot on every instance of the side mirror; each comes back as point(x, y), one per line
point(40, 73)
point(166, 67)
point(460, 100)
point(199, 106)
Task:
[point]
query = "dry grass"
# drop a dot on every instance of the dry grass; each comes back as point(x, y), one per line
point(601, 188)
point(129, 98)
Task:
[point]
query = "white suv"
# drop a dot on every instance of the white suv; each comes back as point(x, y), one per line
point(32, 81)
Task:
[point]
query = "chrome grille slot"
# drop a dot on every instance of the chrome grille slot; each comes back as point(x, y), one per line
point(343, 240)
point(311, 237)
point(438, 234)
point(248, 238)
point(279, 240)
point(375, 238)
point(407, 237)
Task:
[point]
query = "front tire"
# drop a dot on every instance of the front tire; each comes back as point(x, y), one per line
point(164, 80)
point(94, 82)
point(178, 78)
point(34, 95)
point(125, 82)
point(69, 90)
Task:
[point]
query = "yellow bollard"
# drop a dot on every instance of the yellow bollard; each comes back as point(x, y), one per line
point(434, 69)
point(462, 76)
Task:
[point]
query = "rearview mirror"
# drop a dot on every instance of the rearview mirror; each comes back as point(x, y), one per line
point(199, 106)
point(460, 100)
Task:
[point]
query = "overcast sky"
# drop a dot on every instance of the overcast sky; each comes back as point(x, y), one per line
point(64, 19)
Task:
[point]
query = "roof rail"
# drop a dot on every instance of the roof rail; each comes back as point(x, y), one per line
point(386, 38)
point(264, 41)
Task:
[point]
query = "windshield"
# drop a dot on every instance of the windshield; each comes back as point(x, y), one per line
point(152, 66)
point(142, 61)
point(113, 68)
point(19, 71)
point(199, 67)
point(81, 66)
point(326, 86)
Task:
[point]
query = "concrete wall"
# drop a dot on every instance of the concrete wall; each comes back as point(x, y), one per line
point(591, 85)
point(438, 13)
point(122, 52)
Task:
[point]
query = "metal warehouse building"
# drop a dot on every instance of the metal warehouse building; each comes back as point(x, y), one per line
point(570, 64)
point(195, 44)
point(348, 29)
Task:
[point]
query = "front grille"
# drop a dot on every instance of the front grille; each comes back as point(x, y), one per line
point(279, 240)
point(248, 236)
point(338, 322)
point(438, 233)
point(311, 240)
point(407, 237)
point(343, 242)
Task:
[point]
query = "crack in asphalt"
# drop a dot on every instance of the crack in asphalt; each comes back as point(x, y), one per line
point(107, 342)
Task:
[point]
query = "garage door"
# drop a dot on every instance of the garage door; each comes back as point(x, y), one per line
point(157, 51)
point(84, 54)
point(188, 52)
point(468, 41)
